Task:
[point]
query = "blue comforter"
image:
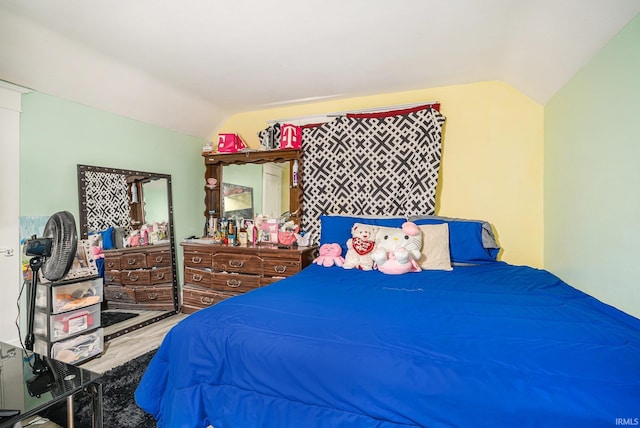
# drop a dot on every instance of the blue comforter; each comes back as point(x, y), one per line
point(492, 345)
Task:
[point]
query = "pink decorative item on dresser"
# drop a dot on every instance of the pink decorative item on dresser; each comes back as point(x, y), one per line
point(230, 143)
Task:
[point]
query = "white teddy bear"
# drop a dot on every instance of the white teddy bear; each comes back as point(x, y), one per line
point(360, 246)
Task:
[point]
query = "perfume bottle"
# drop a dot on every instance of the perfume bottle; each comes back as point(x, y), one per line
point(254, 234)
point(231, 235)
point(211, 225)
point(295, 173)
point(223, 230)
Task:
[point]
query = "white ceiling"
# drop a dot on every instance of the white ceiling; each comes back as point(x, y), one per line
point(189, 64)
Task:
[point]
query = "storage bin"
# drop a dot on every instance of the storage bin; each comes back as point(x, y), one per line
point(60, 297)
point(73, 350)
point(61, 326)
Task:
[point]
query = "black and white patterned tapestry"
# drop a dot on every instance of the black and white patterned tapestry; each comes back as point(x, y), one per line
point(106, 207)
point(372, 166)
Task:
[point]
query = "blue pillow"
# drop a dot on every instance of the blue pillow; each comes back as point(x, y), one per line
point(465, 240)
point(107, 239)
point(337, 228)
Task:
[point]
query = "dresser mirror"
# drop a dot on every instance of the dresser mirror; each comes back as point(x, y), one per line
point(252, 189)
point(138, 204)
point(272, 178)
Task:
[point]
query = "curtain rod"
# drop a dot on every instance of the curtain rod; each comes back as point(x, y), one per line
point(324, 116)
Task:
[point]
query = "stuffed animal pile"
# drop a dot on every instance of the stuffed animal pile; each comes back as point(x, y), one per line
point(392, 251)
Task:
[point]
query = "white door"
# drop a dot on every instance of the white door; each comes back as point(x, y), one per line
point(10, 282)
point(272, 189)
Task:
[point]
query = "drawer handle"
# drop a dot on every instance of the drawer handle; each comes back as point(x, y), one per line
point(160, 275)
point(197, 277)
point(117, 295)
point(236, 263)
point(152, 296)
point(111, 264)
point(206, 300)
point(196, 259)
point(234, 283)
point(131, 261)
point(280, 268)
point(133, 277)
point(159, 259)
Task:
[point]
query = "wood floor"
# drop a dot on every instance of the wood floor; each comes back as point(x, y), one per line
point(131, 345)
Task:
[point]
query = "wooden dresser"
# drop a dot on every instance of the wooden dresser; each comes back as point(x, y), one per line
point(139, 278)
point(215, 272)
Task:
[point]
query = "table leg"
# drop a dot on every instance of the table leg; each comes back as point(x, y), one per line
point(70, 419)
point(96, 404)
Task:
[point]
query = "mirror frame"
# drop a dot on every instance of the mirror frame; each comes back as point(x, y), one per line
point(82, 198)
point(214, 163)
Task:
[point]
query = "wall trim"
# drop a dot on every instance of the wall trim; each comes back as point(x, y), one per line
point(11, 96)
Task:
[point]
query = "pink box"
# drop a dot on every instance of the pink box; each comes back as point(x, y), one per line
point(290, 136)
point(230, 143)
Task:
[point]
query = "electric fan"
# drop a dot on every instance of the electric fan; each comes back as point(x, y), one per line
point(53, 255)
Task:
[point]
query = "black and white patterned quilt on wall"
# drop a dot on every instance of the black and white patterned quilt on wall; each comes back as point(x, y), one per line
point(106, 208)
point(372, 164)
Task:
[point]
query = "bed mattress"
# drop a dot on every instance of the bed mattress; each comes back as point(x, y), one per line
point(489, 345)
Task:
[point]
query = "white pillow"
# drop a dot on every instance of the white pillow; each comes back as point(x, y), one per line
point(435, 247)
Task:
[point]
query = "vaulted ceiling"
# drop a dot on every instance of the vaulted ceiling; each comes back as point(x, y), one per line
point(188, 64)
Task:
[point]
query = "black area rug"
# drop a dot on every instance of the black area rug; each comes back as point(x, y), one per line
point(110, 318)
point(119, 406)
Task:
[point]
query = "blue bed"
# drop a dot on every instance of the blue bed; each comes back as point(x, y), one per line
point(489, 345)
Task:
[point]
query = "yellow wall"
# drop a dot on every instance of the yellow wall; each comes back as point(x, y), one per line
point(492, 156)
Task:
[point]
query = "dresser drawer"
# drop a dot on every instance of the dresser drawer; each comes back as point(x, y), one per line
point(198, 298)
point(112, 262)
point(281, 267)
point(235, 282)
point(133, 261)
point(159, 259)
point(153, 294)
point(136, 277)
point(266, 280)
point(114, 293)
point(197, 260)
point(237, 263)
point(113, 277)
point(197, 277)
point(160, 275)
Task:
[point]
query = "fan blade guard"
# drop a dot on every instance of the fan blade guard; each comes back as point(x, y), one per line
point(61, 228)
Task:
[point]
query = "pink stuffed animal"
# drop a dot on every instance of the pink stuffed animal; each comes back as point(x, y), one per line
point(397, 250)
point(97, 252)
point(95, 240)
point(330, 254)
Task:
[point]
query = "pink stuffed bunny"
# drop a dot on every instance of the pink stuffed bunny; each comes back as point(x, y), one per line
point(330, 254)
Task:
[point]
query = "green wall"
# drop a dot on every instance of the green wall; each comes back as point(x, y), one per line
point(56, 135)
point(592, 175)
